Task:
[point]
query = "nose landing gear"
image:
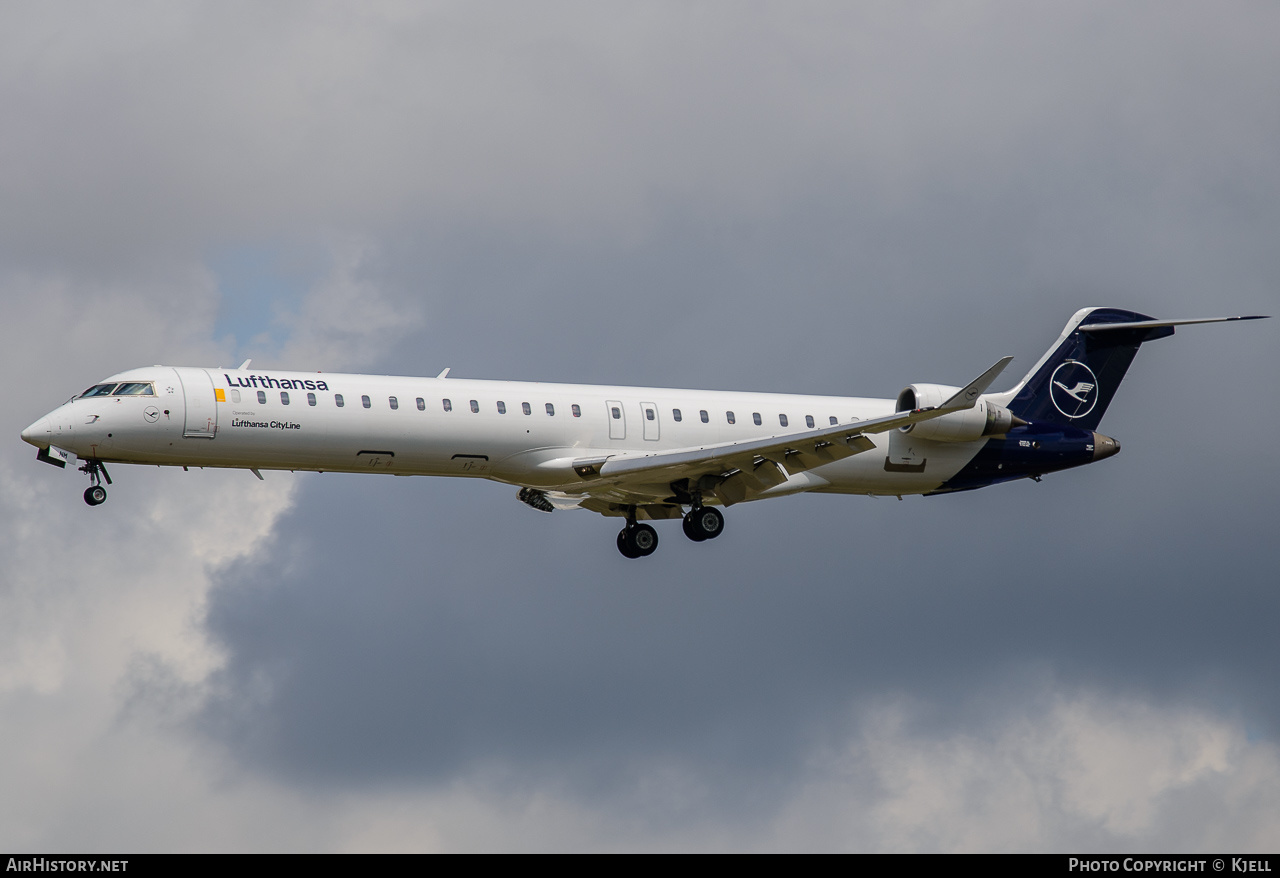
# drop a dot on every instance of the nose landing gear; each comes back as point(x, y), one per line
point(95, 494)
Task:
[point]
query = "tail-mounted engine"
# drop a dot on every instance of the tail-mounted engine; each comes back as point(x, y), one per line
point(984, 419)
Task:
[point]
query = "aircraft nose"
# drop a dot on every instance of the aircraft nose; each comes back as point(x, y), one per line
point(38, 433)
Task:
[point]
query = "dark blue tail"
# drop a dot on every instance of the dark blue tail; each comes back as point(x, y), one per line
point(1074, 382)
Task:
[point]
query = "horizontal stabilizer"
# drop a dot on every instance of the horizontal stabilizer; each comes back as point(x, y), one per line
point(1152, 324)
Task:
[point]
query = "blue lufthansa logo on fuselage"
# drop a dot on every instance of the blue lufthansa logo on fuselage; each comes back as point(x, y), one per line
point(1074, 389)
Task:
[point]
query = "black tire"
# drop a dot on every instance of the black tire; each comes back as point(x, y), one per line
point(703, 523)
point(710, 522)
point(624, 545)
point(691, 529)
point(643, 540)
point(95, 495)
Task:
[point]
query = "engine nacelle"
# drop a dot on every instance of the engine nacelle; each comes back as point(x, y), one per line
point(985, 418)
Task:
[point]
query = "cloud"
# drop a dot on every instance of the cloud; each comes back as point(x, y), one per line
point(1082, 773)
point(349, 318)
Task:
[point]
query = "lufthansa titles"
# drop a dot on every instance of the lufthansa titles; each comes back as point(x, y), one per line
point(266, 425)
point(266, 381)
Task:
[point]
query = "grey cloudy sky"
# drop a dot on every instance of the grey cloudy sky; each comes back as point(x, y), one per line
point(807, 197)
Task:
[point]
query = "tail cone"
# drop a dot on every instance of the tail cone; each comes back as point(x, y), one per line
point(1104, 446)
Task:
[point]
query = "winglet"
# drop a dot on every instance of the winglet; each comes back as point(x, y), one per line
point(967, 396)
point(445, 373)
point(245, 365)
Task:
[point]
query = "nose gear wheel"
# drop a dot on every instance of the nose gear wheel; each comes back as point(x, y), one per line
point(95, 494)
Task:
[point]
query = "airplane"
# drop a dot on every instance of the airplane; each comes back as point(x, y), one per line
point(638, 453)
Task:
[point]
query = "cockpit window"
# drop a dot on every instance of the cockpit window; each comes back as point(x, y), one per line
point(98, 390)
point(134, 388)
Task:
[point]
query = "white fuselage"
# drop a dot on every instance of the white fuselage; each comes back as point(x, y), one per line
point(639, 453)
point(521, 433)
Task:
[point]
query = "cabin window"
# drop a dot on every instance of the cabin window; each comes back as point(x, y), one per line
point(235, 396)
point(703, 414)
point(475, 407)
point(502, 407)
point(393, 402)
point(675, 414)
point(262, 397)
point(650, 414)
point(526, 408)
point(284, 397)
point(782, 419)
point(808, 421)
point(728, 416)
point(98, 390)
point(616, 412)
point(448, 405)
point(833, 420)
point(338, 400)
point(551, 410)
point(577, 411)
point(755, 418)
point(134, 388)
point(366, 402)
point(422, 404)
point(311, 399)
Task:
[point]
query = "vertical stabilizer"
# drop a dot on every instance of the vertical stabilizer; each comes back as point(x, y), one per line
point(1076, 379)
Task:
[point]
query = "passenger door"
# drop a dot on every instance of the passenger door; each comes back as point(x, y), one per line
point(201, 405)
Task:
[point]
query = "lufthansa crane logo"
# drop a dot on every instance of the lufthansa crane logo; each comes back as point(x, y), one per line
point(1074, 389)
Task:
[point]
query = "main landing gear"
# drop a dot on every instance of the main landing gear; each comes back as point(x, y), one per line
point(637, 540)
point(703, 523)
point(95, 494)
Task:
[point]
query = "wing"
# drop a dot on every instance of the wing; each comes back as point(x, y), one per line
point(735, 471)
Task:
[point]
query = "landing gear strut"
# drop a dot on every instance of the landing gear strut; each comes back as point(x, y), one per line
point(636, 540)
point(95, 494)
